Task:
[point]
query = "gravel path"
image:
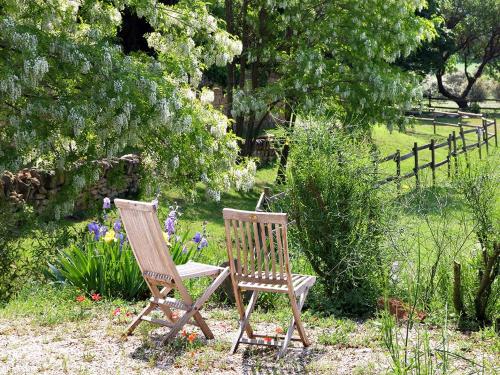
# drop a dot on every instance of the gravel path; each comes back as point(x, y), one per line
point(97, 347)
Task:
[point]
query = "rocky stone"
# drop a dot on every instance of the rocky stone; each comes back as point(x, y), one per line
point(39, 187)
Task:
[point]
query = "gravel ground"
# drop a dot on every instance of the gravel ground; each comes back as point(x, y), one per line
point(97, 347)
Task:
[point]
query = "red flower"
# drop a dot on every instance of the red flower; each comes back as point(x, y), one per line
point(80, 298)
point(192, 337)
point(128, 314)
point(96, 297)
point(116, 311)
point(184, 333)
point(268, 339)
point(279, 330)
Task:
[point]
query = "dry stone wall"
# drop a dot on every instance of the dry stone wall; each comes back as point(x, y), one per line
point(119, 177)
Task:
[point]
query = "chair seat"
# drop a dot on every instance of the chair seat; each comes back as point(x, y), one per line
point(299, 282)
point(194, 269)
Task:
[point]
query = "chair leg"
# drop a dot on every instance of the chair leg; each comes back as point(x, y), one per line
point(138, 319)
point(296, 309)
point(244, 322)
point(194, 311)
point(241, 308)
point(293, 324)
point(203, 326)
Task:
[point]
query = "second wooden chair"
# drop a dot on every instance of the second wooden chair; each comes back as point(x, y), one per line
point(257, 247)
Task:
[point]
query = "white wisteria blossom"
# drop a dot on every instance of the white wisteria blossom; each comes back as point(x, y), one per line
point(71, 95)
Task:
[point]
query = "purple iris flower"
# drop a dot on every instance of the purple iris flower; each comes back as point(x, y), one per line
point(121, 237)
point(117, 226)
point(197, 237)
point(203, 243)
point(102, 230)
point(170, 223)
point(95, 229)
point(106, 203)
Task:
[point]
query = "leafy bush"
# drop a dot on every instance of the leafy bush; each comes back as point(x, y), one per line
point(479, 187)
point(26, 242)
point(102, 267)
point(105, 264)
point(338, 213)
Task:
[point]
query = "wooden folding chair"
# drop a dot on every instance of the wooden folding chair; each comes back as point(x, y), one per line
point(258, 242)
point(158, 269)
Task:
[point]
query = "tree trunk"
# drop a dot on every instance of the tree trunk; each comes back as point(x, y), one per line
point(245, 39)
point(457, 290)
point(230, 66)
point(487, 276)
point(290, 118)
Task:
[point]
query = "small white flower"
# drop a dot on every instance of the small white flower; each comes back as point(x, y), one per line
point(207, 96)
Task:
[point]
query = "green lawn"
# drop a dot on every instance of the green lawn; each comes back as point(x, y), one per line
point(422, 133)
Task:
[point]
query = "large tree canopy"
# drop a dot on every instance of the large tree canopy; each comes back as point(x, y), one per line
point(468, 32)
point(306, 54)
point(69, 95)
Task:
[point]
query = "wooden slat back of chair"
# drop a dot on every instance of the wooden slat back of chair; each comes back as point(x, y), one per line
point(259, 241)
point(146, 239)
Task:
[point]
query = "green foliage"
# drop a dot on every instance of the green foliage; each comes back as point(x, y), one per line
point(69, 95)
point(319, 57)
point(338, 215)
point(108, 268)
point(100, 267)
point(338, 333)
point(25, 245)
point(467, 32)
point(45, 304)
point(479, 186)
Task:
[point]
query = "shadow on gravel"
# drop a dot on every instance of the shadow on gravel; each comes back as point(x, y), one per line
point(258, 360)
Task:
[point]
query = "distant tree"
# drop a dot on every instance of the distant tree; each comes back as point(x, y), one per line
point(468, 32)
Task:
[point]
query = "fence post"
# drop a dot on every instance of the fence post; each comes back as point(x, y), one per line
point(464, 146)
point(479, 141)
point(485, 136)
point(434, 125)
point(415, 168)
point(455, 156)
point(433, 161)
point(448, 158)
point(495, 131)
point(398, 168)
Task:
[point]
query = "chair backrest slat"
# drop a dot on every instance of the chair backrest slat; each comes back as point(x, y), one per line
point(251, 252)
point(257, 251)
point(277, 230)
point(271, 247)
point(258, 241)
point(265, 253)
point(238, 247)
point(244, 263)
point(146, 238)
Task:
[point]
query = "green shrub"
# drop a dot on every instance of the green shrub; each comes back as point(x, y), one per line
point(479, 187)
point(338, 213)
point(26, 242)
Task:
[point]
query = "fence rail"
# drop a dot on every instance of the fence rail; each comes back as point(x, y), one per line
point(483, 103)
point(456, 144)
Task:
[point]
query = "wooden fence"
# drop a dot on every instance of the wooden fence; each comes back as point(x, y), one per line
point(455, 144)
point(483, 104)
